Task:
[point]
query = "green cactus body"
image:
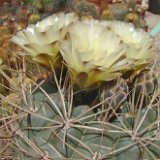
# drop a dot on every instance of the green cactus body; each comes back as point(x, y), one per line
point(119, 11)
point(42, 134)
point(34, 18)
point(50, 127)
point(84, 8)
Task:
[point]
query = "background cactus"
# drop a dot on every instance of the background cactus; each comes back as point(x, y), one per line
point(128, 11)
point(34, 18)
point(119, 11)
point(49, 5)
point(84, 8)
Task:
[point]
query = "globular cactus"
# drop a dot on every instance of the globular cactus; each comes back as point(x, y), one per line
point(44, 6)
point(34, 18)
point(50, 127)
point(63, 135)
point(119, 10)
point(84, 8)
point(128, 11)
point(132, 17)
point(106, 15)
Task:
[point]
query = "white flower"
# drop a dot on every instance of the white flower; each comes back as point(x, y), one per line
point(139, 43)
point(93, 53)
point(41, 40)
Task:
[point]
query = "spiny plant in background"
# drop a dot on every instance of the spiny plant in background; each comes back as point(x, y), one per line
point(128, 11)
point(36, 10)
point(21, 13)
point(84, 8)
point(51, 121)
point(119, 10)
point(49, 5)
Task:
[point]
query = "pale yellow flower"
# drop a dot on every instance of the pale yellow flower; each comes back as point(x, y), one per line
point(41, 40)
point(93, 53)
point(139, 43)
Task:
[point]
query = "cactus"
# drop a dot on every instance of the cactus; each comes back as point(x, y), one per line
point(119, 11)
point(48, 126)
point(33, 18)
point(49, 5)
point(106, 15)
point(52, 118)
point(132, 18)
point(128, 11)
point(84, 8)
